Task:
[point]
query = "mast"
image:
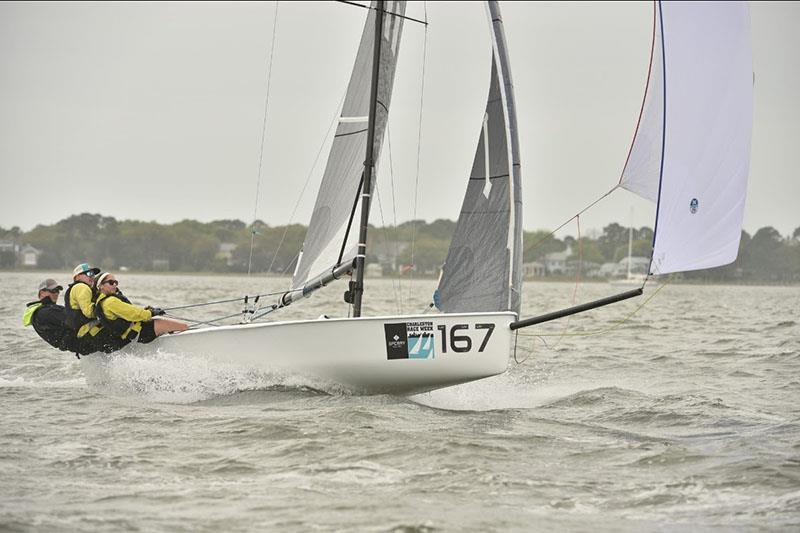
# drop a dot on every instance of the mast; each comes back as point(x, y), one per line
point(630, 243)
point(369, 165)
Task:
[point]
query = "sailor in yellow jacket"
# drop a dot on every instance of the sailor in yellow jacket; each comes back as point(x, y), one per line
point(79, 307)
point(123, 322)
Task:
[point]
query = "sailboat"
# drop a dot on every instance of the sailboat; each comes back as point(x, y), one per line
point(631, 279)
point(690, 155)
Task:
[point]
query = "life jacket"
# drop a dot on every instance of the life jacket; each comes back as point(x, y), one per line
point(59, 337)
point(117, 327)
point(75, 317)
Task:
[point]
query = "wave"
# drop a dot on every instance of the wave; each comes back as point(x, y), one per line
point(27, 383)
point(164, 377)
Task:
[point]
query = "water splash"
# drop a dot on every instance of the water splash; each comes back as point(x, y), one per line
point(165, 377)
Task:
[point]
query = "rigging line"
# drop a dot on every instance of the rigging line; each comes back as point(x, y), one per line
point(263, 138)
point(419, 150)
point(195, 323)
point(425, 22)
point(616, 325)
point(577, 283)
point(350, 220)
point(397, 282)
point(305, 186)
point(516, 339)
point(225, 301)
point(385, 231)
point(263, 313)
point(573, 217)
point(633, 141)
point(516, 360)
point(292, 262)
point(211, 322)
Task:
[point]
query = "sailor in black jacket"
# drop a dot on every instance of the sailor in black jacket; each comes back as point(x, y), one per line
point(48, 318)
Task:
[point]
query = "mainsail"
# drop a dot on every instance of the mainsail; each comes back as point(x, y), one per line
point(691, 151)
point(482, 271)
point(328, 242)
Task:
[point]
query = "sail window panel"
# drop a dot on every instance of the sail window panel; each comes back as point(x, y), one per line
point(709, 93)
point(343, 172)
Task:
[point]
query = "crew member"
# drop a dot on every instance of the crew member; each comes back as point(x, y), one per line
point(79, 305)
point(48, 318)
point(123, 322)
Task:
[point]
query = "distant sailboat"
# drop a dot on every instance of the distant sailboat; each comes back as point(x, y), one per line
point(690, 156)
point(631, 279)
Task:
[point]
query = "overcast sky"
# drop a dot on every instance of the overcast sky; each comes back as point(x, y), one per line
point(154, 111)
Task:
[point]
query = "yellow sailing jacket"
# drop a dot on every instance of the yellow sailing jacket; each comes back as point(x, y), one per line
point(80, 298)
point(121, 317)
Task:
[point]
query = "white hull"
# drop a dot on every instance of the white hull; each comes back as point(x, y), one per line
point(399, 354)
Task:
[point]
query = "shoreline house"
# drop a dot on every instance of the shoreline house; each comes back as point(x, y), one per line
point(225, 253)
point(556, 262)
point(13, 255)
point(29, 256)
point(534, 269)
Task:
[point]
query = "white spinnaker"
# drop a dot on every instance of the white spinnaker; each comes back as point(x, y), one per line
point(707, 108)
point(709, 122)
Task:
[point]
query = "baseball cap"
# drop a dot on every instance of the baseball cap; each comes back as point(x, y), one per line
point(50, 285)
point(84, 268)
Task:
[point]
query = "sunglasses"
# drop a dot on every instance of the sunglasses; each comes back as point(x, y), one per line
point(52, 291)
point(110, 282)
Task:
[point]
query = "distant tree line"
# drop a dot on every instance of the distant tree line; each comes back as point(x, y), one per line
point(225, 246)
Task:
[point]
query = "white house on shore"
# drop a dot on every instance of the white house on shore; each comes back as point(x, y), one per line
point(29, 256)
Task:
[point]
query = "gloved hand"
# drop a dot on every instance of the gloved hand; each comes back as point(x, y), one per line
point(155, 311)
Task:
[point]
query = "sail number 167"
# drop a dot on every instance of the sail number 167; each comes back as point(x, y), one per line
point(461, 342)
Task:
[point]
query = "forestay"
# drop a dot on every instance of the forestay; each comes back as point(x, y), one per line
point(482, 271)
point(691, 152)
point(328, 242)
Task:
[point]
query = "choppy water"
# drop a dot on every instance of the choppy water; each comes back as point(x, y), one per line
point(685, 418)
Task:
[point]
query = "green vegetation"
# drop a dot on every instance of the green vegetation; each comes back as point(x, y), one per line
point(224, 246)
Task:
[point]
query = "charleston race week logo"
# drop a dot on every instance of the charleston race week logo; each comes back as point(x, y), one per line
point(409, 340)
